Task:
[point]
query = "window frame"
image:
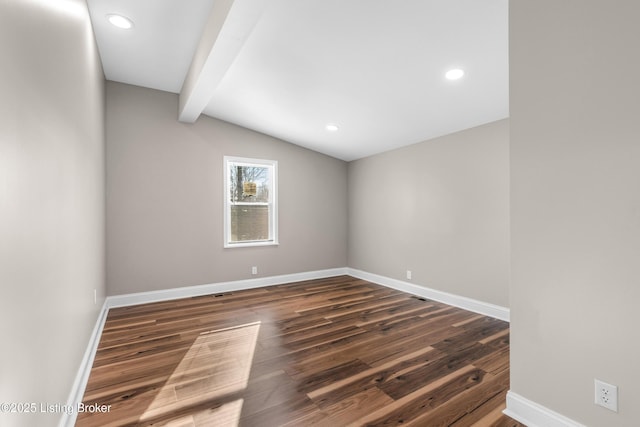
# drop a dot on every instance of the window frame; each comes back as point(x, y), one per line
point(272, 166)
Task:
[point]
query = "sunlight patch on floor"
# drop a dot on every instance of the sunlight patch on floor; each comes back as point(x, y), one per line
point(212, 372)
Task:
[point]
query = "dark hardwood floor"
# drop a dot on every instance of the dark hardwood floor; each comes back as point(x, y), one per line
point(331, 352)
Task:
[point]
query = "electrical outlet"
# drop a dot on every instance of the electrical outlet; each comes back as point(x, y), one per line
point(606, 395)
point(408, 274)
point(254, 270)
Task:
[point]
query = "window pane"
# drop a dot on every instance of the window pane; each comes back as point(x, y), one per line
point(249, 222)
point(249, 184)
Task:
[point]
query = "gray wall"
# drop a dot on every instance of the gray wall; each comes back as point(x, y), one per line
point(51, 200)
point(440, 209)
point(575, 205)
point(165, 199)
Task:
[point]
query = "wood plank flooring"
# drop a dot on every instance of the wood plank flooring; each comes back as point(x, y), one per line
point(331, 352)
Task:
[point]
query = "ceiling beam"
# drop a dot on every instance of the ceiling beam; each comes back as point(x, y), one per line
point(228, 27)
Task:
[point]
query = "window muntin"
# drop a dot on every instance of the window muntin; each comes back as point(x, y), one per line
point(250, 202)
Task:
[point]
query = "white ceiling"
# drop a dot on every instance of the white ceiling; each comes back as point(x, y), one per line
point(288, 67)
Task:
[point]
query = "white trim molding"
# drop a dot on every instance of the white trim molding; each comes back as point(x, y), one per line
point(216, 288)
point(534, 415)
point(68, 418)
point(470, 304)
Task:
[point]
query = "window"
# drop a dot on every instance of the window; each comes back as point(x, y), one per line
point(250, 202)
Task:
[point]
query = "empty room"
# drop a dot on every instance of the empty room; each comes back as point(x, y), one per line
point(303, 212)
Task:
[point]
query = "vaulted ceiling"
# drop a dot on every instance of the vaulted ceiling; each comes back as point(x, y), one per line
point(288, 68)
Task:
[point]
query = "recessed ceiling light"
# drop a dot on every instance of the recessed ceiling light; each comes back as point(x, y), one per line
point(454, 74)
point(120, 21)
point(332, 127)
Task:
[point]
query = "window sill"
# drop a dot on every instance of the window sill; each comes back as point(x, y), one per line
point(250, 244)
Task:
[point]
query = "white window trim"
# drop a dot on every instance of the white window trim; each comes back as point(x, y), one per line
point(273, 194)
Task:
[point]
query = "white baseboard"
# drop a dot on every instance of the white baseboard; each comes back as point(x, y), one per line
point(216, 288)
point(476, 306)
point(534, 415)
point(68, 418)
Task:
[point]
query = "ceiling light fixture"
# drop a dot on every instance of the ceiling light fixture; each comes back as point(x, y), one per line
point(120, 21)
point(332, 127)
point(454, 74)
